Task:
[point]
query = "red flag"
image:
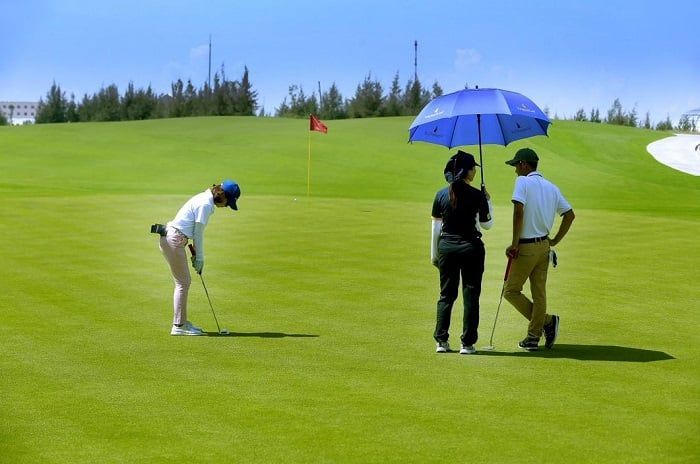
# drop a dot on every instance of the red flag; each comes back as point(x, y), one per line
point(315, 124)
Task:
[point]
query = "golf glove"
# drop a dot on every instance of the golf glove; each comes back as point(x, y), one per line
point(553, 258)
point(197, 264)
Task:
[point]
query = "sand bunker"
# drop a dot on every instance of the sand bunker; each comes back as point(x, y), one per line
point(680, 152)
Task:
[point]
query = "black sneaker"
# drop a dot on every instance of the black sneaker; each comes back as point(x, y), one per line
point(551, 331)
point(529, 344)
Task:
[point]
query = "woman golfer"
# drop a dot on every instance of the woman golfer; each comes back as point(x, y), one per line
point(189, 224)
point(459, 213)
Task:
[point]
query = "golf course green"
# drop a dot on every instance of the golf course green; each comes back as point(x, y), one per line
point(330, 301)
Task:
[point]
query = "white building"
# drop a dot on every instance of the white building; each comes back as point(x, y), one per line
point(19, 112)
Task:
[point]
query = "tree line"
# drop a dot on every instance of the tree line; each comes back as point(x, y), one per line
point(369, 100)
point(224, 98)
point(617, 115)
point(238, 98)
point(232, 98)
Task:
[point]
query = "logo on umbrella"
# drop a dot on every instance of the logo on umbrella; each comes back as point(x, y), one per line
point(520, 128)
point(435, 114)
point(524, 107)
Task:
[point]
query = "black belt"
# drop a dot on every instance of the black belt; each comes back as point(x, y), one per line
point(460, 237)
point(533, 240)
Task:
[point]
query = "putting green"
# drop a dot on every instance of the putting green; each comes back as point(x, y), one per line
point(330, 300)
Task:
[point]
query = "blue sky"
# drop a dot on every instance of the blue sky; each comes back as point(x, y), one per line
point(563, 54)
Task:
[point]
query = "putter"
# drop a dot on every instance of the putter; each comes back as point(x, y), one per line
point(221, 332)
point(490, 346)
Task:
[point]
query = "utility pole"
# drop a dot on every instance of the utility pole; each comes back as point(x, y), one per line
point(415, 61)
point(209, 63)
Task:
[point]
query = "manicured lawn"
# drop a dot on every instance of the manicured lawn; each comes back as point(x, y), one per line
point(331, 300)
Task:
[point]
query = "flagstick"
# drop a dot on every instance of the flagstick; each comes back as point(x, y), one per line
point(308, 170)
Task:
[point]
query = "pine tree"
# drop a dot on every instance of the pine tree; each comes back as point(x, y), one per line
point(615, 114)
point(665, 125)
point(394, 103)
point(684, 124)
point(332, 106)
point(368, 100)
point(191, 105)
point(177, 104)
point(247, 97)
point(437, 90)
point(72, 110)
point(108, 107)
point(54, 109)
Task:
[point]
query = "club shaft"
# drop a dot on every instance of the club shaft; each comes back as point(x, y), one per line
point(500, 300)
point(210, 305)
point(493, 329)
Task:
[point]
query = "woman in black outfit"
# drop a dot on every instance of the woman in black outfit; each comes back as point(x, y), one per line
point(460, 211)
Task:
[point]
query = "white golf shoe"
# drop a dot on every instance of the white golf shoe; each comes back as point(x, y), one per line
point(186, 329)
point(467, 349)
point(442, 347)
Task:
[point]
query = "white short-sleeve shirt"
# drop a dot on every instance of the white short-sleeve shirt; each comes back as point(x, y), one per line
point(197, 209)
point(542, 200)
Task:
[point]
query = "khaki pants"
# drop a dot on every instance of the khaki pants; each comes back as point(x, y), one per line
point(532, 263)
point(173, 248)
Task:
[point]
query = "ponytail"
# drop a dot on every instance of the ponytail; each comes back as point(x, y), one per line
point(218, 193)
point(456, 192)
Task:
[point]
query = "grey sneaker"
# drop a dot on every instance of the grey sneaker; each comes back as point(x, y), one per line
point(442, 347)
point(551, 331)
point(467, 349)
point(186, 329)
point(529, 344)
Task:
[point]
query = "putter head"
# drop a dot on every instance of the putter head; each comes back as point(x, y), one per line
point(488, 348)
point(224, 332)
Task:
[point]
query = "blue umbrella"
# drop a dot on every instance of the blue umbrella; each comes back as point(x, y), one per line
point(478, 116)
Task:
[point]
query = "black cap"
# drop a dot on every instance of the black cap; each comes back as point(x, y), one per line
point(458, 166)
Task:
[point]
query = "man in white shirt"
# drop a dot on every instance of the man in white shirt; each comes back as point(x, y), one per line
point(536, 201)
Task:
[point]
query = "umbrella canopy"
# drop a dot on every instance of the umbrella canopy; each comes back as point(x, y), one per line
point(478, 117)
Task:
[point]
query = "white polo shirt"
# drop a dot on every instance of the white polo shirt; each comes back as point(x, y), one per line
point(197, 209)
point(542, 200)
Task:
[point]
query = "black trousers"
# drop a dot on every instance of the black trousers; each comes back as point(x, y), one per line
point(466, 259)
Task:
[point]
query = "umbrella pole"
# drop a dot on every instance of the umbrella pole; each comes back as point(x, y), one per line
point(481, 163)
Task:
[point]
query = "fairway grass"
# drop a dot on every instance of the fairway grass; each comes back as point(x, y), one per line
point(331, 302)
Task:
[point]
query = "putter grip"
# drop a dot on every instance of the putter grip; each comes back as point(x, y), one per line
point(194, 253)
point(505, 276)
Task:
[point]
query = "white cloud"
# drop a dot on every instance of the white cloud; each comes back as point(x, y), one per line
point(466, 57)
point(199, 52)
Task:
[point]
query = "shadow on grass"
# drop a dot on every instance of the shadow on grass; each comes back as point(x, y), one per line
point(589, 353)
point(260, 335)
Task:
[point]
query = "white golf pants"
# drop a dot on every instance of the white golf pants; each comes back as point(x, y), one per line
point(173, 248)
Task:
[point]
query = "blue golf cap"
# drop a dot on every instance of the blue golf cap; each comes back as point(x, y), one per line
point(232, 191)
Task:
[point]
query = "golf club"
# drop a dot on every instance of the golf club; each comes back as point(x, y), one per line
point(490, 346)
point(221, 332)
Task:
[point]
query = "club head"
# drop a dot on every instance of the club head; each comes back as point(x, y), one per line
point(488, 348)
point(224, 332)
